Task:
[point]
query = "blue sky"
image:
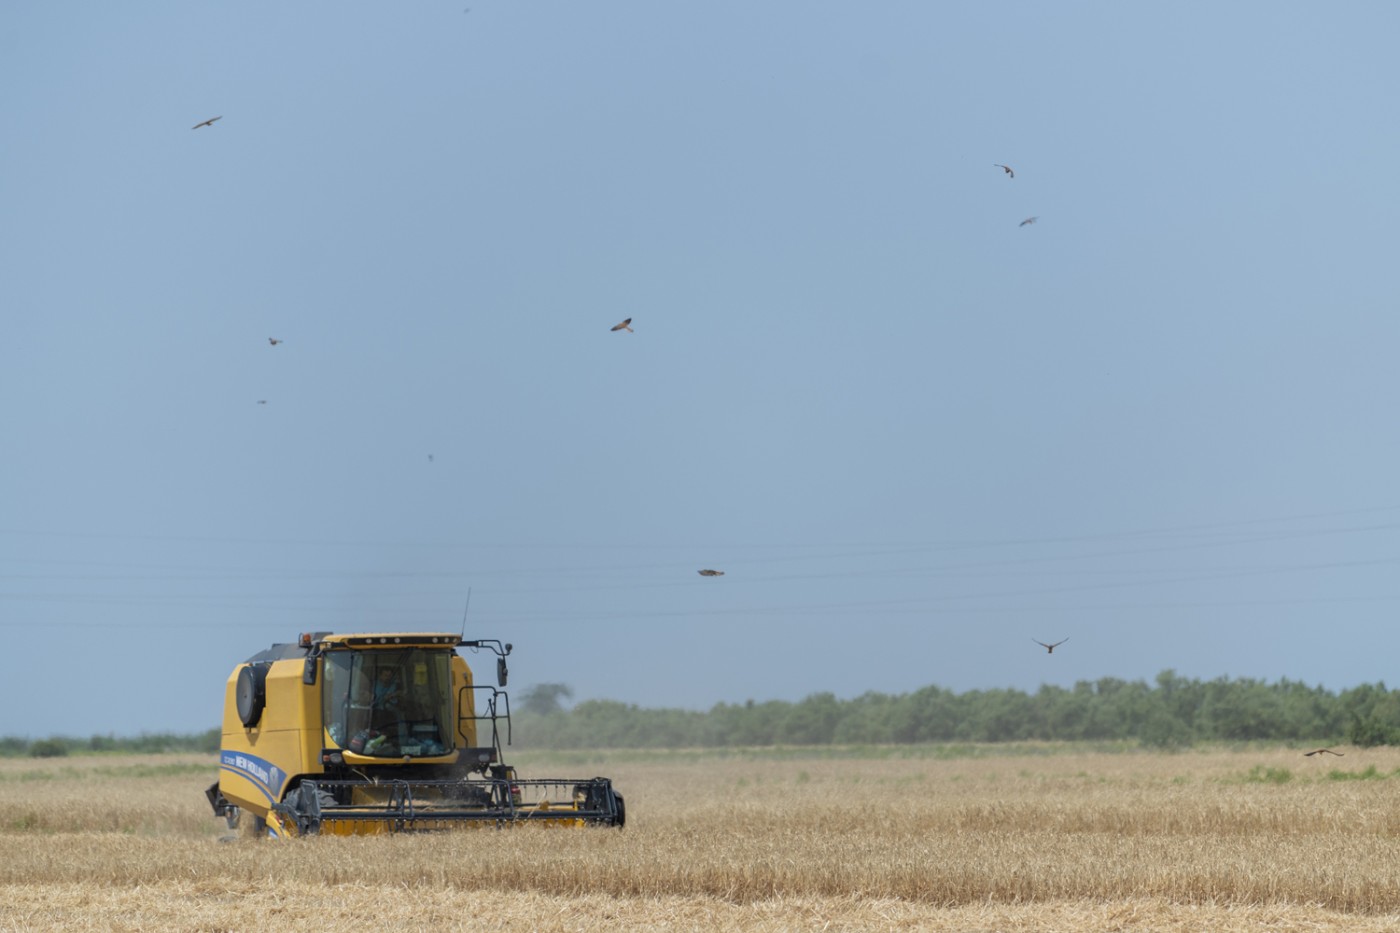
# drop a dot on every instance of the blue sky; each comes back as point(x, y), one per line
point(913, 433)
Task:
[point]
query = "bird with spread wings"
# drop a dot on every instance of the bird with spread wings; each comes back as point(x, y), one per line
point(208, 122)
point(1050, 649)
point(625, 325)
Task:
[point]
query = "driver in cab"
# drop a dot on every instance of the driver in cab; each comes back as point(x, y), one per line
point(387, 691)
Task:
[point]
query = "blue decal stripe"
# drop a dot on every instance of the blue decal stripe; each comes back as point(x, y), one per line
point(260, 773)
point(250, 779)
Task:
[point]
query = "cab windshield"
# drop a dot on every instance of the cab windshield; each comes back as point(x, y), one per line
point(389, 703)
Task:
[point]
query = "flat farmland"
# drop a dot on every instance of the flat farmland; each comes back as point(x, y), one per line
point(926, 838)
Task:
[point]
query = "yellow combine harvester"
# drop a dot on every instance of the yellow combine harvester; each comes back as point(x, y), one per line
point(363, 734)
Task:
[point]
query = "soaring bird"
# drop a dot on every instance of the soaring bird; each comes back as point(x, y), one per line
point(1028, 220)
point(1322, 751)
point(273, 340)
point(208, 122)
point(1050, 649)
point(711, 573)
point(625, 325)
point(1005, 168)
point(262, 401)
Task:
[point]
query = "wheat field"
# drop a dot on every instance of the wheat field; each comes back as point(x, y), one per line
point(1033, 838)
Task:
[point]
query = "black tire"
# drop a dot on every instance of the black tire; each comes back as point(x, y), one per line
point(254, 829)
point(621, 811)
point(250, 694)
point(322, 798)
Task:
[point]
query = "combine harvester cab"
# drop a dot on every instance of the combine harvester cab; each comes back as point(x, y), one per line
point(366, 734)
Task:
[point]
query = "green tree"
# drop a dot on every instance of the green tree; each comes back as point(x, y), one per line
point(811, 722)
point(866, 719)
point(544, 699)
point(48, 748)
point(997, 716)
point(1374, 715)
point(929, 714)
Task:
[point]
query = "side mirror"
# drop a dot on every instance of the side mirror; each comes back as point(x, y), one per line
point(308, 673)
point(501, 672)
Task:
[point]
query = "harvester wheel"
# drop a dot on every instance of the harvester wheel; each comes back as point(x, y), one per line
point(251, 693)
point(323, 799)
point(254, 829)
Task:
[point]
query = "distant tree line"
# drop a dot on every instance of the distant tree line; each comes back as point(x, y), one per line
point(147, 743)
point(1173, 712)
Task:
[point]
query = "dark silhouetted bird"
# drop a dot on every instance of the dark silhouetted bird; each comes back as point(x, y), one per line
point(208, 122)
point(625, 325)
point(1005, 168)
point(1322, 751)
point(711, 573)
point(1028, 220)
point(1050, 649)
point(273, 340)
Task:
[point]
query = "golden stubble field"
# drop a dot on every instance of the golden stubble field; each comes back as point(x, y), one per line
point(1032, 838)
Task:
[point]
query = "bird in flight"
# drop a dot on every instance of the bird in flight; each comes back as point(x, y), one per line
point(625, 325)
point(1005, 168)
point(1028, 220)
point(273, 340)
point(208, 122)
point(711, 573)
point(1050, 649)
point(262, 401)
point(1322, 751)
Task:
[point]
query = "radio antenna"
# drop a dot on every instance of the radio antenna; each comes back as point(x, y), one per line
point(464, 612)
